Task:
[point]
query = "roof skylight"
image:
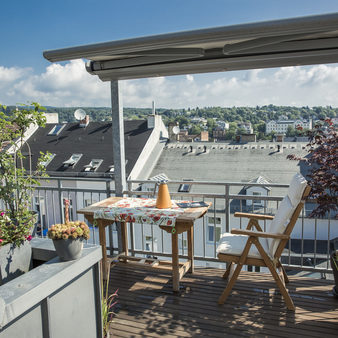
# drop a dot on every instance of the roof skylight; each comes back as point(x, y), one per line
point(72, 160)
point(93, 165)
point(56, 130)
point(48, 160)
point(185, 187)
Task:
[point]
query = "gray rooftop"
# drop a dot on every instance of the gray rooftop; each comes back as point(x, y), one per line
point(226, 162)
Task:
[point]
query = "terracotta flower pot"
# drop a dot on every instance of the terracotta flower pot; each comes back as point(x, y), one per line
point(68, 249)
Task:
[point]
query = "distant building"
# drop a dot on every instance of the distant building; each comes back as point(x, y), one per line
point(223, 125)
point(257, 191)
point(219, 133)
point(248, 138)
point(246, 126)
point(281, 126)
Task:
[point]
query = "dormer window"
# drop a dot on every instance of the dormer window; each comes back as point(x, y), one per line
point(48, 160)
point(71, 162)
point(112, 168)
point(93, 165)
point(185, 187)
point(56, 130)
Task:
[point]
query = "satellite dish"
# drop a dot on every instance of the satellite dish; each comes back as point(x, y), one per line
point(79, 114)
point(176, 130)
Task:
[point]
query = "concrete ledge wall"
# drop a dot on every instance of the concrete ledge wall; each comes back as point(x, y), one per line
point(57, 299)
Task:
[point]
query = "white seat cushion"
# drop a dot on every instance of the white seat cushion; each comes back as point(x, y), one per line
point(232, 244)
point(279, 223)
point(296, 189)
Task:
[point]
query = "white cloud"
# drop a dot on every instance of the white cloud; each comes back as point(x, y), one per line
point(71, 85)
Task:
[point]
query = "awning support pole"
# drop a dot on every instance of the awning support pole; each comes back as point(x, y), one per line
point(118, 139)
point(118, 149)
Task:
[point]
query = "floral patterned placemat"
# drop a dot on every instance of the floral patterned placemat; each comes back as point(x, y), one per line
point(141, 210)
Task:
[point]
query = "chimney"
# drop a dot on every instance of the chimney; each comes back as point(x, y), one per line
point(153, 107)
point(151, 121)
point(52, 118)
point(84, 123)
point(151, 118)
point(204, 136)
point(173, 133)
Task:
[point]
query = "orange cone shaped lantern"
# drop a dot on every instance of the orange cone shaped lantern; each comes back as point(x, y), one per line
point(163, 198)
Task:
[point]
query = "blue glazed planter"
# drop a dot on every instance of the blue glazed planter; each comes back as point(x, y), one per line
point(68, 249)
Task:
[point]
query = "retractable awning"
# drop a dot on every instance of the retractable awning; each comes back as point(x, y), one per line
point(288, 42)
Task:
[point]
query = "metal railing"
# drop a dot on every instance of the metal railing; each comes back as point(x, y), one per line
point(152, 241)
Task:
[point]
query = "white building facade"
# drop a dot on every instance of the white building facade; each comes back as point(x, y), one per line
point(281, 127)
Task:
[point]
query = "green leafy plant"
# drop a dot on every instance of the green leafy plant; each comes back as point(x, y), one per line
point(323, 167)
point(335, 259)
point(70, 230)
point(107, 303)
point(17, 183)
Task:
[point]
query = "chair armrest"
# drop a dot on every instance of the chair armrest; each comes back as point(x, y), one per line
point(253, 216)
point(259, 234)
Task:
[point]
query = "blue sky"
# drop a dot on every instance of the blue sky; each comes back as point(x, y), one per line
point(30, 27)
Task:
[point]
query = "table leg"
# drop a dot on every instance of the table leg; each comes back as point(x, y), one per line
point(190, 236)
point(102, 237)
point(124, 238)
point(175, 266)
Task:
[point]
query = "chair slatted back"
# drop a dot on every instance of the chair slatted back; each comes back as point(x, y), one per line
point(292, 223)
point(287, 211)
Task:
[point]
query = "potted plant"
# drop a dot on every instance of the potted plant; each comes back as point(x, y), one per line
point(68, 237)
point(323, 163)
point(334, 266)
point(16, 189)
point(107, 304)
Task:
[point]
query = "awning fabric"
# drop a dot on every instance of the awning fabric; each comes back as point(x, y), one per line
point(288, 42)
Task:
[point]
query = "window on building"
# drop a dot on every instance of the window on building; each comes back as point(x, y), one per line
point(257, 202)
point(72, 160)
point(93, 165)
point(214, 220)
point(214, 232)
point(185, 187)
point(56, 130)
point(48, 160)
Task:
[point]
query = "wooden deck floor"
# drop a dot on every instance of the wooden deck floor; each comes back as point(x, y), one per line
point(147, 306)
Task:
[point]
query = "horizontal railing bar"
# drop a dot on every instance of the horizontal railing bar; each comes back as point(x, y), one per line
point(94, 179)
point(96, 191)
point(204, 195)
point(276, 185)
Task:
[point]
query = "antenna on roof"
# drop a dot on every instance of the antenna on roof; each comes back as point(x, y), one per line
point(79, 114)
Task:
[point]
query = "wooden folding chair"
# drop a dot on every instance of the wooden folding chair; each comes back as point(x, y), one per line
point(255, 247)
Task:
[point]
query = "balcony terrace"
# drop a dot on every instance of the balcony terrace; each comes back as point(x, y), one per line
point(148, 307)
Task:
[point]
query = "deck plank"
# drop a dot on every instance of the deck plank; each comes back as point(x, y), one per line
point(148, 307)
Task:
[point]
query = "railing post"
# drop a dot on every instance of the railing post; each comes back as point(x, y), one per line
point(60, 200)
point(110, 228)
point(227, 208)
